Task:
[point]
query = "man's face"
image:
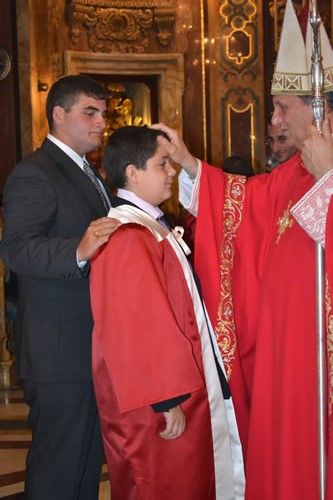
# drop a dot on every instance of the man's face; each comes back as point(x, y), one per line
point(280, 144)
point(82, 127)
point(154, 184)
point(293, 114)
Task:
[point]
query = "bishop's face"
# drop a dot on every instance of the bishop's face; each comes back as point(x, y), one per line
point(295, 115)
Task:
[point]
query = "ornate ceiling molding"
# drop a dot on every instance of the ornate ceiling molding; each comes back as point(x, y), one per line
point(122, 25)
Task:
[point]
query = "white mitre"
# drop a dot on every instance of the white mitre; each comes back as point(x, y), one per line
point(326, 53)
point(292, 73)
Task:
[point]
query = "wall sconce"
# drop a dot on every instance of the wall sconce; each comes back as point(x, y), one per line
point(42, 87)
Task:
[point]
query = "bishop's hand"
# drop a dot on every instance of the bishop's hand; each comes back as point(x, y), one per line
point(317, 151)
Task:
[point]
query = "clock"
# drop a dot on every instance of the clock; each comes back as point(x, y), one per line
point(5, 63)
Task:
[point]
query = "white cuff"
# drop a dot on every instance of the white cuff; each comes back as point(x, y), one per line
point(189, 190)
point(311, 210)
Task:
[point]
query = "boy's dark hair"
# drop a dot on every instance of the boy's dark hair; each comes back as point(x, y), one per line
point(66, 91)
point(129, 145)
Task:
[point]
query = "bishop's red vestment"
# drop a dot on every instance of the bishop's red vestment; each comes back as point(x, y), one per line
point(257, 269)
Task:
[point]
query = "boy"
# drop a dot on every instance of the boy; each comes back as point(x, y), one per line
point(167, 424)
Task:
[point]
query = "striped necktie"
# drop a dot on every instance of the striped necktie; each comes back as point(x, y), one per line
point(90, 173)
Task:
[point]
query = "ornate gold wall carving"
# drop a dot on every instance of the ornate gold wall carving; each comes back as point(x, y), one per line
point(240, 38)
point(122, 25)
point(239, 115)
point(240, 69)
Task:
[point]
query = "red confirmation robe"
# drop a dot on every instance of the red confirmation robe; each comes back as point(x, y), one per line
point(257, 269)
point(150, 344)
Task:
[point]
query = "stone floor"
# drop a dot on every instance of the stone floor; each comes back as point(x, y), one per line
point(15, 438)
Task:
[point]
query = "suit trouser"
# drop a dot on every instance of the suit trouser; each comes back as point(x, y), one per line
point(66, 455)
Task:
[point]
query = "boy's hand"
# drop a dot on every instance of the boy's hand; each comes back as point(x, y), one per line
point(175, 423)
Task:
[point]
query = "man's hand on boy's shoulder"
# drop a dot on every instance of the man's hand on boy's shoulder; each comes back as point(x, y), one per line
point(96, 235)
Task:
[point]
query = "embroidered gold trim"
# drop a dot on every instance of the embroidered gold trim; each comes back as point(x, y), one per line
point(232, 216)
point(329, 336)
point(284, 222)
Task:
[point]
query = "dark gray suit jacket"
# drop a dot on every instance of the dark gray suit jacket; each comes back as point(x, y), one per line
point(48, 204)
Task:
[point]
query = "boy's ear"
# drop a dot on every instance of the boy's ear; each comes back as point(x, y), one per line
point(131, 173)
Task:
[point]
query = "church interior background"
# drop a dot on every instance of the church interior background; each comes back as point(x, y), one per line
point(203, 67)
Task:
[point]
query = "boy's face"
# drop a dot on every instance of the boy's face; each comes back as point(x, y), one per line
point(154, 184)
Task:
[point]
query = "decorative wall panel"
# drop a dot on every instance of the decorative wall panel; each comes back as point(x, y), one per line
point(121, 25)
point(241, 74)
point(239, 114)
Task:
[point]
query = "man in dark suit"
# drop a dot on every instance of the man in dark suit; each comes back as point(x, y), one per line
point(54, 222)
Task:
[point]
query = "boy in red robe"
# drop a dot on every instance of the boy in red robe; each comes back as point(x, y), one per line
point(167, 417)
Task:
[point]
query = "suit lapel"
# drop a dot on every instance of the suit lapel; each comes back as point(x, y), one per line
point(77, 177)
